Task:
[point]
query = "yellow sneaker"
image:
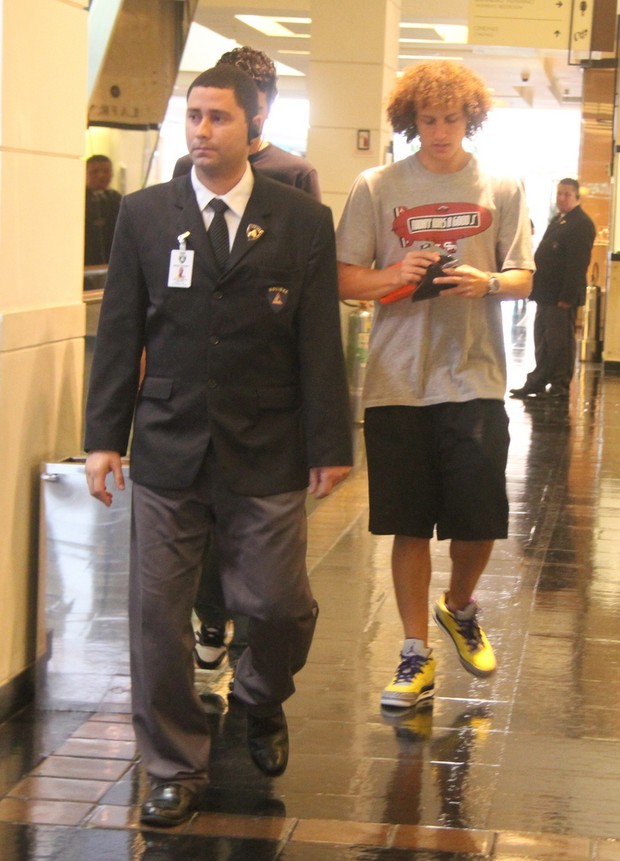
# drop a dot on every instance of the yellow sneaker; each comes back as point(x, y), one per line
point(474, 650)
point(413, 682)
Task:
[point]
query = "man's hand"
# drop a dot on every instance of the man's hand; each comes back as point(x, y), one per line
point(465, 281)
point(98, 465)
point(414, 265)
point(323, 479)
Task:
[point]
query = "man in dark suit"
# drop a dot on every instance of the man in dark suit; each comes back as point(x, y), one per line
point(562, 261)
point(243, 407)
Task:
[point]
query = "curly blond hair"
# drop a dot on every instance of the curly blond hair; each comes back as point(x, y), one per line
point(437, 83)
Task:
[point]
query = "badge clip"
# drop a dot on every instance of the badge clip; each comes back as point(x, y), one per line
point(181, 240)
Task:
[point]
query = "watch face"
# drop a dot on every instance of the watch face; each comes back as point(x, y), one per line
point(493, 285)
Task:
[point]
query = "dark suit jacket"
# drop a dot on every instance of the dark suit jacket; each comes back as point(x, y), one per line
point(562, 259)
point(101, 212)
point(251, 359)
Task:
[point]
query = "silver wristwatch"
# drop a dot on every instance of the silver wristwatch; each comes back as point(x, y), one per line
point(494, 285)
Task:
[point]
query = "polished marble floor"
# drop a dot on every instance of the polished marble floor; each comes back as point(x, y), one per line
point(523, 765)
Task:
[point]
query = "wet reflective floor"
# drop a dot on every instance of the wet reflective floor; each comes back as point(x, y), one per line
point(523, 765)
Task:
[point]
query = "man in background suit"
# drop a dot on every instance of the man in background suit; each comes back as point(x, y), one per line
point(243, 407)
point(562, 261)
point(101, 210)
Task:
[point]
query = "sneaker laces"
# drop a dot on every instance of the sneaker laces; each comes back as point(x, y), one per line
point(470, 631)
point(409, 667)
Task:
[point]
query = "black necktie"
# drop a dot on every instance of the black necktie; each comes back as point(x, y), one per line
point(218, 232)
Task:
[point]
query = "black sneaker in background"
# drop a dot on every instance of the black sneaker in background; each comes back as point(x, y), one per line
point(210, 649)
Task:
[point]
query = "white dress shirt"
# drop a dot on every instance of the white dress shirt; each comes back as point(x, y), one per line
point(236, 199)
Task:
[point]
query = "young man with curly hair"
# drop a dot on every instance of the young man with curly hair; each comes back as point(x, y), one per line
point(435, 425)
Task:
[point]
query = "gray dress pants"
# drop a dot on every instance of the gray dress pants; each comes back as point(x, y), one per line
point(555, 347)
point(262, 550)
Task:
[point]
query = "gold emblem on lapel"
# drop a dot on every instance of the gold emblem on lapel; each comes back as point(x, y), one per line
point(277, 297)
point(253, 232)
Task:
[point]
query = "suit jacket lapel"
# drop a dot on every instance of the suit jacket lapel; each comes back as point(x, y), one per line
point(255, 222)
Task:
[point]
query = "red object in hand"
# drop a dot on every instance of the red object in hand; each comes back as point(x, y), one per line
point(399, 293)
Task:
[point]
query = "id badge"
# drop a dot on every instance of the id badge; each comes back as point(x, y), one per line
point(181, 265)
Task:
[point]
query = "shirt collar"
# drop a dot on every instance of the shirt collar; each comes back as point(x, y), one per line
point(237, 198)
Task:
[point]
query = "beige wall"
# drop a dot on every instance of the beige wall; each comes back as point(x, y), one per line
point(352, 71)
point(42, 97)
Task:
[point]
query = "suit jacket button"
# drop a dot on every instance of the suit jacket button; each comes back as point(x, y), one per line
point(211, 383)
point(218, 294)
point(214, 339)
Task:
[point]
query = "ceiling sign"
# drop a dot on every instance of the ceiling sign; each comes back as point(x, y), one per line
point(140, 64)
point(581, 31)
point(523, 23)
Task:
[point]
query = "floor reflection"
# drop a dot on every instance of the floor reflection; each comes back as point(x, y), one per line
point(527, 755)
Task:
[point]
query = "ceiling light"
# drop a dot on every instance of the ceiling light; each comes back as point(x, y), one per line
point(273, 25)
point(428, 57)
point(455, 34)
point(284, 69)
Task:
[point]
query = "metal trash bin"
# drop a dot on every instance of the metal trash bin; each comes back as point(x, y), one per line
point(360, 321)
point(591, 344)
point(84, 572)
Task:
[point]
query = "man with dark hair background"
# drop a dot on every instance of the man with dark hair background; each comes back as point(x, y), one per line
point(212, 646)
point(101, 212)
point(272, 160)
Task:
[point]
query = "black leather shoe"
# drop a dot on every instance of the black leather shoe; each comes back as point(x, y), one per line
point(557, 392)
point(525, 392)
point(268, 742)
point(168, 804)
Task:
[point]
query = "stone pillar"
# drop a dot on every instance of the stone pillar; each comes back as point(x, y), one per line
point(352, 71)
point(611, 340)
point(43, 73)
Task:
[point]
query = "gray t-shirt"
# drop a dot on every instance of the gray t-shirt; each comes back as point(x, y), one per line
point(447, 349)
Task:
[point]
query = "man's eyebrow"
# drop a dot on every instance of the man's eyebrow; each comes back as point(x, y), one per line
point(222, 112)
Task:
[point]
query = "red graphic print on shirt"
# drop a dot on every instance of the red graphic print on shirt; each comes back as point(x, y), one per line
point(440, 223)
